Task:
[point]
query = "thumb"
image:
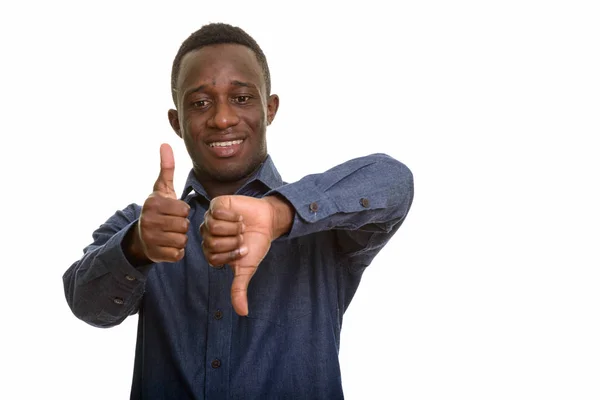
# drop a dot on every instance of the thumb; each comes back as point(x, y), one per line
point(239, 289)
point(164, 183)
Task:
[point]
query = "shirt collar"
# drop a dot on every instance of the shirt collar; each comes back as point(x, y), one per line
point(267, 174)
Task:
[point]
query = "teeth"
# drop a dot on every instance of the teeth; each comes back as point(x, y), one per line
point(225, 144)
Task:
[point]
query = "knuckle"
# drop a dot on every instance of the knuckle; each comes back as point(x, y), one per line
point(149, 236)
point(210, 242)
point(175, 254)
point(145, 236)
point(148, 220)
point(215, 227)
point(143, 220)
point(152, 202)
point(142, 225)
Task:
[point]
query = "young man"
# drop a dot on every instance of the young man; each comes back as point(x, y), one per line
point(241, 282)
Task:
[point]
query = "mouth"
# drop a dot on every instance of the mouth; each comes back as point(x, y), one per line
point(226, 144)
point(226, 149)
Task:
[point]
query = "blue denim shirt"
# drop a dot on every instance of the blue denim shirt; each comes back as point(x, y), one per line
point(190, 342)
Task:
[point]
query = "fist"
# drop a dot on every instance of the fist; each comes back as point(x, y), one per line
point(163, 224)
point(238, 230)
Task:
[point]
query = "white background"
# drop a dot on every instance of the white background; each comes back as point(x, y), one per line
point(490, 290)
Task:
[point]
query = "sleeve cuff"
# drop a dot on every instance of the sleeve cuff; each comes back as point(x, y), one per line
point(310, 206)
point(116, 262)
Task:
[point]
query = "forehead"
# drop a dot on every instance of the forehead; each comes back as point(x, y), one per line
point(219, 64)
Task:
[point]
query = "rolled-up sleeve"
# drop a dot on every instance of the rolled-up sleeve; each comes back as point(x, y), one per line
point(365, 200)
point(103, 288)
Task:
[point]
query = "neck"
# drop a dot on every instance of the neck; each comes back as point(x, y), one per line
point(215, 188)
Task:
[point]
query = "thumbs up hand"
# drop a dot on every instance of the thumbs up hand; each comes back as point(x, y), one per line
point(238, 230)
point(163, 224)
point(164, 184)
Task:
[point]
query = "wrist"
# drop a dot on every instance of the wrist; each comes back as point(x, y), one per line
point(133, 247)
point(283, 215)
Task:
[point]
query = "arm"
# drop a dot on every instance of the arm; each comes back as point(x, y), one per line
point(107, 284)
point(364, 200)
point(103, 287)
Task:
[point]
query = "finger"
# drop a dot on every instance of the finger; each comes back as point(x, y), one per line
point(222, 244)
point(165, 239)
point(174, 224)
point(218, 227)
point(239, 289)
point(225, 215)
point(220, 208)
point(215, 259)
point(164, 183)
point(166, 254)
point(167, 206)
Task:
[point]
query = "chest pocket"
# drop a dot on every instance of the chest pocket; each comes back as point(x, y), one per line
point(280, 290)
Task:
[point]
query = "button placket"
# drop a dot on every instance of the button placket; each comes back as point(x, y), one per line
point(219, 328)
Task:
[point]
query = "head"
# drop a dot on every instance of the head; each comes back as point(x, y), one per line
point(221, 87)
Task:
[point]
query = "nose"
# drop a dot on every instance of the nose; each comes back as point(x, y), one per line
point(224, 116)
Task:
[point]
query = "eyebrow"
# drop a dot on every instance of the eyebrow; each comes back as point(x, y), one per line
point(234, 83)
point(194, 90)
point(243, 84)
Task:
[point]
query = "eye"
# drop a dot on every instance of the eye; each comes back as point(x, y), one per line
point(200, 104)
point(241, 99)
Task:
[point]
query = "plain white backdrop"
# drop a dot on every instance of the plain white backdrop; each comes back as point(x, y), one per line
point(491, 288)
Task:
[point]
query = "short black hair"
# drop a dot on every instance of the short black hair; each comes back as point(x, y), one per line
point(218, 33)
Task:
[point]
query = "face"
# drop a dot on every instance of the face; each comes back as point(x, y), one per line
point(223, 111)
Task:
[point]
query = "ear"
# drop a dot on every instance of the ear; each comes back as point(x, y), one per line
point(174, 121)
point(272, 107)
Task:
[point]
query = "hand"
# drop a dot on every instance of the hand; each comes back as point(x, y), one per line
point(238, 230)
point(163, 224)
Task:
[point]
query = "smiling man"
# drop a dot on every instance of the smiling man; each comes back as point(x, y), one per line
point(242, 281)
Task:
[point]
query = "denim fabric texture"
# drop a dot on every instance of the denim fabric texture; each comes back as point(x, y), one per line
point(190, 342)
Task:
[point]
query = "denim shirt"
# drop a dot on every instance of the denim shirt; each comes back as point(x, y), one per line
point(190, 342)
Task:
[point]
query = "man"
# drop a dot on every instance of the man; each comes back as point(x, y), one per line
point(240, 283)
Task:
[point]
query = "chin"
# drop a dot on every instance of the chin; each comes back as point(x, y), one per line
point(233, 172)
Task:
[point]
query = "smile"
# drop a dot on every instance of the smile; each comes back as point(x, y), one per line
point(226, 144)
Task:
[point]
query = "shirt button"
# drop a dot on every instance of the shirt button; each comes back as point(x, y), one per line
point(129, 278)
point(218, 314)
point(313, 207)
point(364, 202)
point(216, 363)
point(118, 300)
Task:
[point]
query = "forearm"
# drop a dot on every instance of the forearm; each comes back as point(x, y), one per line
point(133, 248)
point(283, 217)
point(103, 287)
point(371, 193)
